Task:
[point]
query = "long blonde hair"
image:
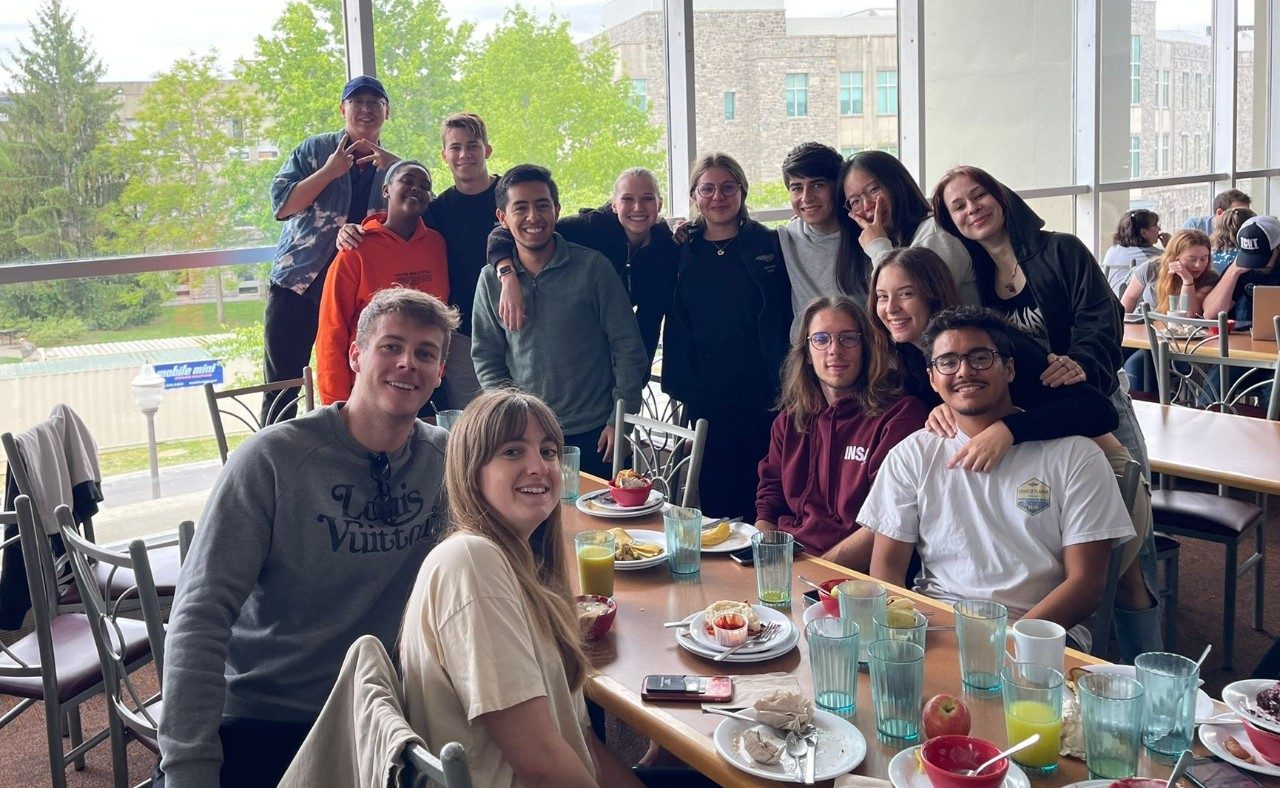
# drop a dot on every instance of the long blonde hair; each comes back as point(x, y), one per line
point(540, 564)
point(1166, 283)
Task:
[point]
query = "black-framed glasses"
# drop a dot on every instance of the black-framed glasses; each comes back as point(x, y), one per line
point(821, 340)
point(855, 202)
point(708, 190)
point(978, 358)
point(384, 506)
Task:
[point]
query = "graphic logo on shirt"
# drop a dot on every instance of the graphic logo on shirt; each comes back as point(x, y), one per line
point(358, 529)
point(855, 453)
point(1033, 496)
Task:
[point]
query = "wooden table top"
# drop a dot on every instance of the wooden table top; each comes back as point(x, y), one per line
point(1240, 344)
point(1220, 448)
point(637, 646)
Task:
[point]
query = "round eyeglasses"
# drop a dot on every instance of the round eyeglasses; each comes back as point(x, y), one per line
point(726, 189)
point(821, 340)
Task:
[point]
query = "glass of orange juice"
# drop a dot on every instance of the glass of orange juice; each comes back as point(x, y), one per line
point(1033, 704)
point(595, 561)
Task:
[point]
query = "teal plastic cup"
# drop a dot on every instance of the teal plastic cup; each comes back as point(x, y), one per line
point(980, 637)
point(1169, 682)
point(897, 689)
point(860, 601)
point(833, 661)
point(570, 463)
point(1111, 711)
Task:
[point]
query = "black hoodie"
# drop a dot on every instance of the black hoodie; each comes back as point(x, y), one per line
point(1082, 315)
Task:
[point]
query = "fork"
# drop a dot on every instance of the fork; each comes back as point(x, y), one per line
point(764, 634)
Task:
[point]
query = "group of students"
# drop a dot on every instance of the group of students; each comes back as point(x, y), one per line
point(817, 352)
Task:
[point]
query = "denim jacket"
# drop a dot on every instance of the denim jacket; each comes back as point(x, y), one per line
point(307, 238)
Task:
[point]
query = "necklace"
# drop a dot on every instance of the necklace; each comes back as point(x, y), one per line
point(720, 247)
point(1011, 286)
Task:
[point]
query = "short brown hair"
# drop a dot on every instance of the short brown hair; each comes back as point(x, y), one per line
point(727, 163)
point(469, 122)
point(1224, 199)
point(420, 307)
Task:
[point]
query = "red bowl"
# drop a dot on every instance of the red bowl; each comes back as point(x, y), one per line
point(1264, 741)
point(945, 756)
point(1231, 326)
point(596, 629)
point(830, 602)
point(630, 496)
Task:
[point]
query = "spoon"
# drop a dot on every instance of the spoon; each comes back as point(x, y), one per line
point(1184, 760)
point(812, 584)
point(1203, 654)
point(797, 748)
point(1022, 745)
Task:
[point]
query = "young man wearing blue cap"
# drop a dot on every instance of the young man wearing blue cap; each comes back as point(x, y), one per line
point(1259, 242)
point(328, 180)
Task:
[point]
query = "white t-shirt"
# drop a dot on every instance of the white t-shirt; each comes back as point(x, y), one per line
point(469, 647)
point(997, 535)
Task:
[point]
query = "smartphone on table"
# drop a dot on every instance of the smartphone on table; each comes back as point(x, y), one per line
point(700, 689)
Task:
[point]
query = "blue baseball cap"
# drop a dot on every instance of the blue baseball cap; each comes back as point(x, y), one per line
point(361, 83)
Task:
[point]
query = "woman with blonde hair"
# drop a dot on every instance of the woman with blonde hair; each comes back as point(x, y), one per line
point(491, 650)
point(727, 332)
point(1226, 226)
point(1178, 281)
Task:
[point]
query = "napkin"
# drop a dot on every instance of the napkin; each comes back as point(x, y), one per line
point(749, 689)
point(858, 781)
point(1072, 743)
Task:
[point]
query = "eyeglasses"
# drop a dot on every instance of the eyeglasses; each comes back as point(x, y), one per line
point(977, 359)
point(384, 506)
point(855, 202)
point(373, 103)
point(821, 340)
point(726, 189)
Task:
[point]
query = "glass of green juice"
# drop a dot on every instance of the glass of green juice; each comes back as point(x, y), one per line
point(772, 553)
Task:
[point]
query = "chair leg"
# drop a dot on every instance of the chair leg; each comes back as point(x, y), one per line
point(1229, 606)
point(76, 732)
point(119, 758)
point(53, 724)
point(1259, 576)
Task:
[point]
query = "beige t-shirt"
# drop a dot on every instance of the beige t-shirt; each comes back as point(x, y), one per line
point(470, 647)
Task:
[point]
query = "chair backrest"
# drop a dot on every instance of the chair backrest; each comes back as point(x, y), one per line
point(1103, 619)
point(87, 562)
point(421, 767)
point(31, 537)
point(242, 405)
point(1194, 363)
point(22, 480)
point(669, 454)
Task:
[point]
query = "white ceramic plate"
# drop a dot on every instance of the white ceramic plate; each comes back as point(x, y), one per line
point(600, 504)
point(907, 772)
point(1213, 736)
point(698, 631)
point(1239, 693)
point(742, 533)
point(1204, 703)
point(788, 642)
point(647, 537)
point(840, 749)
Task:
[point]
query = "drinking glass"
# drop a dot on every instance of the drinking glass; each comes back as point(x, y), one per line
point(1111, 710)
point(980, 636)
point(897, 685)
point(897, 624)
point(595, 561)
point(772, 553)
point(570, 463)
point(683, 527)
point(1033, 704)
point(445, 419)
point(1170, 682)
point(833, 660)
point(860, 600)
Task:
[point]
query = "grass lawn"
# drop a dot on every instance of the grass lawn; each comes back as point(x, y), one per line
point(184, 320)
point(137, 458)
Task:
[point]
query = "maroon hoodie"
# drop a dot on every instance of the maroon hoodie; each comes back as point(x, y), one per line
point(813, 485)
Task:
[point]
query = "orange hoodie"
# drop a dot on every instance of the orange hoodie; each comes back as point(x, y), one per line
point(383, 259)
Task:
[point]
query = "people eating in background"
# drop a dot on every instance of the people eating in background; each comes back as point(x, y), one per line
point(1226, 227)
point(1177, 281)
point(1134, 242)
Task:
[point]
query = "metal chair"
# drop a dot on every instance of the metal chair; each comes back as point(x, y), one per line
point(130, 714)
point(1103, 618)
point(669, 454)
point(240, 404)
point(58, 662)
point(421, 767)
point(1193, 365)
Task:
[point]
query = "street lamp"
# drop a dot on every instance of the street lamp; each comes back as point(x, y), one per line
point(148, 390)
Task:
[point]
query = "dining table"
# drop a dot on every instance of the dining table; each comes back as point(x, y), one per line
point(638, 645)
point(1220, 448)
point(1240, 344)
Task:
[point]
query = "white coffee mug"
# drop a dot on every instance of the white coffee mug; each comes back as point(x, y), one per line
point(1038, 641)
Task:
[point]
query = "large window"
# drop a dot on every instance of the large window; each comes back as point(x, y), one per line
point(887, 92)
point(850, 93)
point(797, 95)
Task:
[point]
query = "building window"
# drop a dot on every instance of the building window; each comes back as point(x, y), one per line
point(797, 95)
point(1135, 70)
point(1164, 89)
point(640, 94)
point(887, 92)
point(847, 152)
point(1163, 154)
point(1199, 97)
point(730, 105)
point(1199, 152)
point(1186, 87)
point(850, 93)
point(1135, 154)
point(1186, 152)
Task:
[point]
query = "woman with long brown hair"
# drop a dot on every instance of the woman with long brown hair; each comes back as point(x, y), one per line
point(841, 410)
point(491, 649)
point(1178, 281)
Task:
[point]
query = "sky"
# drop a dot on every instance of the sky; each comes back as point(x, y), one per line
point(138, 38)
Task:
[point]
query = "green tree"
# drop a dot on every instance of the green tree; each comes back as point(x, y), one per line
point(550, 102)
point(190, 123)
point(52, 180)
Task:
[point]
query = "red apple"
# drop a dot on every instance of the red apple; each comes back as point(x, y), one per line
point(945, 715)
